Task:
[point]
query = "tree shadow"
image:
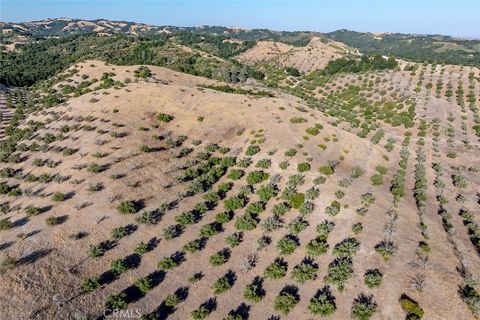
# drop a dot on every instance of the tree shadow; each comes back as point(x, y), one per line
point(242, 311)
point(34, 256)
point(46, 209)
point(157, 149)
point(133, 293)
point(32, 233)
point(6, 245)
point(20, 222)
point(61, 219)
point(163, 311)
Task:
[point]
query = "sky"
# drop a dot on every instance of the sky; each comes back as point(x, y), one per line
point(460, 18)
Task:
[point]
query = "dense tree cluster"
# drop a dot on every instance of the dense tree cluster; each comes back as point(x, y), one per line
point(366, 63)
point(40, 60)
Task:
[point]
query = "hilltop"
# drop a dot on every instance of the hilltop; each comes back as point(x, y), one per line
point(419, 48)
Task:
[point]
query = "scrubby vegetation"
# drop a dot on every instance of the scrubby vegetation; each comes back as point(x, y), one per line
point(247, 191)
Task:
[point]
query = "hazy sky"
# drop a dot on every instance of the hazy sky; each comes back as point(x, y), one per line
point(457, 18)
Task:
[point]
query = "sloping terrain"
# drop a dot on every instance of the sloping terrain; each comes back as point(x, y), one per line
point(419, 48)
point(315, 55)
point(431, 48)
point(175, 196)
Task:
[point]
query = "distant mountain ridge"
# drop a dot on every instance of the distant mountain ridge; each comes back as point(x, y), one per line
point(418, 48)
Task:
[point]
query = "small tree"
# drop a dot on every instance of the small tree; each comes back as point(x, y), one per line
point(276, 270)
point(116, 301)
point(363, 307)
point(164, 117)
point(126, 207)
point(373, 278)
point(286, 300)
point(323, 303)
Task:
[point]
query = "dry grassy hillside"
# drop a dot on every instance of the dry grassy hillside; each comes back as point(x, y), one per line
point(315, 55)
point(164, 195)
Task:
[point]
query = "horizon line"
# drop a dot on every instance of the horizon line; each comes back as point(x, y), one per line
point(249, 28)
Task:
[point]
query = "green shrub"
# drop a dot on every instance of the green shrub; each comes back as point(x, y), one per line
point(116, 301)
point(377, 180)
point(276, 270)
point(245, 162)
point(459, 181)
point(339, 270)
point(233, 203)
point(339, 194)
point(223, 217)
point(234, 239)
point(323, 303)
point(222, 285)
point(471, 297)
point(144, 148)
point(164, 117)
point(192, 246)
point(333, 209)
point(8, 263)
point(144, 285)
point(235, 174)
point(357, 228)
point(316, 247)
point(411, 307)
point(290, 153)
point(172, 300)
point(142, 248)
point(5, 224)
point(94, 168)
point(219, 258)
point(302, 167)
point(126, 207)
point(53, 221)
point(255, 177)
point(208, 230)
point(319, 180)
point(347, 248)
point(252, 150)
point(33, 211)
point(254, 292)
point(326, 170)
point(246, 222)
point(363, 307)
point(286, 245)
point(381, 170)
point(267, 192)
point(297, 225)
point(373, 278)
point(286, 301)
point(297, 200)
point(118, 267)
point(118, 233)
point(96, 251)
point(304, 272)
point(312, 131)
point(185, 218)
point(167, 263)
point(356, 172)
point(201, 313)
point(264, 164)
point(58, 196)
point(386, 249)
point(296, 120)
point(90, 284)
point(295, 180)
point(280, 209)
